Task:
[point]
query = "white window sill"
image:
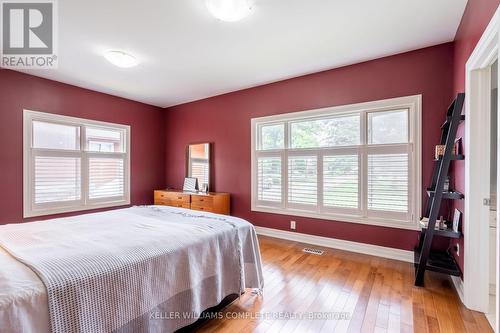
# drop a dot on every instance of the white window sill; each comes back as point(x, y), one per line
point(71, 209)
point(381, 222)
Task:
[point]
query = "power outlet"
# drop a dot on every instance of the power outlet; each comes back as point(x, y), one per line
point(292, 225)
point(457, 249)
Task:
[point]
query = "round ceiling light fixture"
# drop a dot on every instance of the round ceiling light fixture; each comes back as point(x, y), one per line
point(121, 59)
point(229, 10)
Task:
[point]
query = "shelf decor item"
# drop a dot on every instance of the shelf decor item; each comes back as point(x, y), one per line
point(458, 146)
point(446, 187)
point(456, 220)
point(440, 151)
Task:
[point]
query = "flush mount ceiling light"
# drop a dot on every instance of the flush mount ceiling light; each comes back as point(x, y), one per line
point(121, 59)
point(229, 10)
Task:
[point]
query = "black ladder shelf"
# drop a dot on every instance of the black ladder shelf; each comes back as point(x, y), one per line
point(425, 257)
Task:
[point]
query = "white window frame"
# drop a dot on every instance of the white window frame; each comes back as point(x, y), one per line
point(29, 207)
point(387, 219)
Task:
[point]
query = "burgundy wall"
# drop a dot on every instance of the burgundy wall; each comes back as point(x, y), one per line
point(477, 15)
point(225, 121)
point(20, 91)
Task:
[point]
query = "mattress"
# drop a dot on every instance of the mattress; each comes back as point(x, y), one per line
point(24, 298)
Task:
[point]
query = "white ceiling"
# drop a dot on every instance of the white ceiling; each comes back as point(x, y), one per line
point(186, 54)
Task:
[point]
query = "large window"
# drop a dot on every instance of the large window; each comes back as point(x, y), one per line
point(354, 163)
point(73, 164)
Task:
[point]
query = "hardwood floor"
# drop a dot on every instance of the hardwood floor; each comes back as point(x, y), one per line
point(377, 294)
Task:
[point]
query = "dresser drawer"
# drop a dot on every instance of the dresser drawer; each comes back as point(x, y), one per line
point(180, 205)
point(172, 203)
point(172, 199)
point(202, 200)
point(202, 208)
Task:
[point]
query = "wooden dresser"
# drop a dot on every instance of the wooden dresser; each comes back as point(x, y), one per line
point(209, 202)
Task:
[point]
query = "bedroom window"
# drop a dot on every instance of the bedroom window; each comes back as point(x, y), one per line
point(355, 163)
point(73, 164)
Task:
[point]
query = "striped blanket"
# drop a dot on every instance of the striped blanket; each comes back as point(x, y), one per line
point(139, 269)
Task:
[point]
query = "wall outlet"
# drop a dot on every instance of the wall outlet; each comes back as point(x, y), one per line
point(457, 249)
point(292, 225)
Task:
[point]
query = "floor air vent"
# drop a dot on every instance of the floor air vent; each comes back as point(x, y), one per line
point(313, 251)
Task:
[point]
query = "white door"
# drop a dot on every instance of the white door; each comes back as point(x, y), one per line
point(491, 315)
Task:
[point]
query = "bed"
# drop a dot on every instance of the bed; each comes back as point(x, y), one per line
point(139, 269)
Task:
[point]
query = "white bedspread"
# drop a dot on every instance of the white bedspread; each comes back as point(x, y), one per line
point(125, 270)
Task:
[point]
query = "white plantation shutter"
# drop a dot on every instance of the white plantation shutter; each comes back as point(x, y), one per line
point(269, 179)
point(341, 181)
point(302, 180)
point(106, 177)
point(73, 164)
point(388, 182)
point(57, 179)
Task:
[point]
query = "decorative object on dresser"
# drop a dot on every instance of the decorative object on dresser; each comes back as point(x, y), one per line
point(209, 202)
point(190, 184)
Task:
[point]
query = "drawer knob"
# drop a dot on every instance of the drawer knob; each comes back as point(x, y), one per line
point(201, 199)
point(179, 197)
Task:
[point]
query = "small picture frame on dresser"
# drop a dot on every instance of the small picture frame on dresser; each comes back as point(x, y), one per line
point(190, 184)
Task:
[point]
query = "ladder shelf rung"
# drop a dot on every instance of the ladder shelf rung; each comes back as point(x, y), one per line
point(444, 233)
point(439, 261)
point(459, 157)
point(454, 195)
point(448, 121)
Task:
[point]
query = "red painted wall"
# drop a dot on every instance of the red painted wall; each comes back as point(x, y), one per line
point(20, 91)
point(477, 15)
point(225, 121)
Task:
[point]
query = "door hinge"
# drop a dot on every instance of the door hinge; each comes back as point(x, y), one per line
point(486, 202)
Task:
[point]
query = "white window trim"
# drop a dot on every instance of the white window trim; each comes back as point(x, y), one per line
point(29, 209)
point(412, 103)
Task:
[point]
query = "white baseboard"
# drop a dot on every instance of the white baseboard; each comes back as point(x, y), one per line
point(459, 286)
point(374, 250)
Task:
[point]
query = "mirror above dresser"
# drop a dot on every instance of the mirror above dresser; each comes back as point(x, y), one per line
point(198, 164)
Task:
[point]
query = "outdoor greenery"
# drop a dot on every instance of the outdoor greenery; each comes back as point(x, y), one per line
point(339, 131)
point(387, 178)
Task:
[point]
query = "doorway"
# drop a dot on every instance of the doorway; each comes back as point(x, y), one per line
point(481, 246)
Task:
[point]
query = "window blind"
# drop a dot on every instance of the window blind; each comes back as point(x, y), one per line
point(388, 182)
point(56, 179)
point(269, 175)
point(302, 180)
point(106, 177)
point(341, 181)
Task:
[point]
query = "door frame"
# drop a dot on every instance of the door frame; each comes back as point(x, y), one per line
point(477, 185)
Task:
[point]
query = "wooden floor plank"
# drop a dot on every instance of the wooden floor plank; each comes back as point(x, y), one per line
point(376, 294)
